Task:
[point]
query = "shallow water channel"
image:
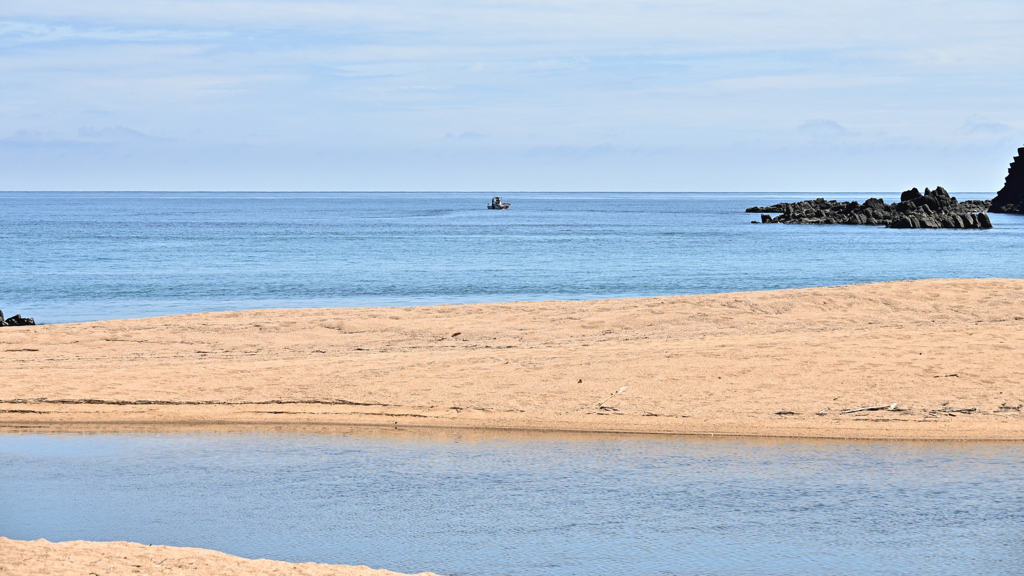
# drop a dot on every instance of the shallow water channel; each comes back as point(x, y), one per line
point(468, 504)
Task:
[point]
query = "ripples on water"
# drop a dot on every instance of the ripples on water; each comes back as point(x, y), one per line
point(94, 256)
point(544, 506)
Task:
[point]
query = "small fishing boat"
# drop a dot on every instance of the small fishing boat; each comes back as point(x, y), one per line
point(497, 204)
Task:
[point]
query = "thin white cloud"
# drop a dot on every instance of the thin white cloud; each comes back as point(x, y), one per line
point(620, 26)
point(33, 136)
point(110, 134)
point(974, 127)
point(824, 129)
point(16, 33)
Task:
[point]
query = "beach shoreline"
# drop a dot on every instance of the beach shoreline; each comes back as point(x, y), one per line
point(44, 558)
point(786, 364)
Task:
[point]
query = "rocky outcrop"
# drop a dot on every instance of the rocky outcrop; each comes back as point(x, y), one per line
point(933, 209)
point(1010, 199)
point(16, 320)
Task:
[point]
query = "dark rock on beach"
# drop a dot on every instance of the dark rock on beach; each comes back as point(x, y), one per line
point(1010, 199)
point(933, 209)
point(16, 320)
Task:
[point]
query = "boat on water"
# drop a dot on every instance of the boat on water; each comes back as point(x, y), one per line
point(497, 204)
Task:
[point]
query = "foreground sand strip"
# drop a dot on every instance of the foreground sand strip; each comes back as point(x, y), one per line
point(796, 363)
point(42, 558)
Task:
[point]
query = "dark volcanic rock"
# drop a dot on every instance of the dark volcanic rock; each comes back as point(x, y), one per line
point(16, 320)
point(1010, 199)
point(910, 195)
point(933, 209)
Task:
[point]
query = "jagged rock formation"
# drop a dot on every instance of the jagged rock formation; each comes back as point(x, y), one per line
point(16, 320)
point(1010, 200)
point(933, 209)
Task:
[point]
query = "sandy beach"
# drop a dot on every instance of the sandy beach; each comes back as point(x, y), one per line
point(942, 357)
point(42, 558)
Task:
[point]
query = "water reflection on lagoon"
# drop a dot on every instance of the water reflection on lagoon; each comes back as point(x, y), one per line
point(467, 503)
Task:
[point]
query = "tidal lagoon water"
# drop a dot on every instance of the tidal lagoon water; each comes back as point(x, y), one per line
point(530, 506)
point(95, 256)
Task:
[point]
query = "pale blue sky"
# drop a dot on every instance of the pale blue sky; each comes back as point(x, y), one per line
point(861, 95)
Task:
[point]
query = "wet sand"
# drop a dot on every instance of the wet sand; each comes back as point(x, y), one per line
point(42, 558)
point(785, 363)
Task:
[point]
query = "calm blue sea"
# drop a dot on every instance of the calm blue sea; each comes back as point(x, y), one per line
point(91, 256)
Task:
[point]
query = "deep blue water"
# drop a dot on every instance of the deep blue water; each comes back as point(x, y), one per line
point(90, 256)
point(534, 507)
